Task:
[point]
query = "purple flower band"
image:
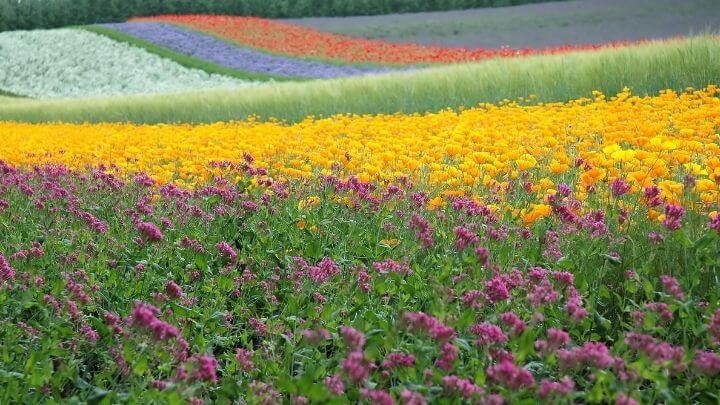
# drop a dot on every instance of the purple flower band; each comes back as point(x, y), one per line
point(215, 50)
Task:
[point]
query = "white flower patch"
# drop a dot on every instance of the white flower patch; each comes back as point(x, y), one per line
point(67, 63)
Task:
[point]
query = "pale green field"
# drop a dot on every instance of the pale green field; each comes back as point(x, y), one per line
point(645, 69)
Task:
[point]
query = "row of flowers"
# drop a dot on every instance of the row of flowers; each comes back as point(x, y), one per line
point(294, 40)
point(65, 63)
point(668, 141)
point(212, 49)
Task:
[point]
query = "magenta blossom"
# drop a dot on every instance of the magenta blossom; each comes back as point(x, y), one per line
point(150, 231)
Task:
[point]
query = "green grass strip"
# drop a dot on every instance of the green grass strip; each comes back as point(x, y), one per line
point(8, 94)
point(646, 70)
point(184, 60)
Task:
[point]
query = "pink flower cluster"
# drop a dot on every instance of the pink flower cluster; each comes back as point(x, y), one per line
point(6, 272)
point(507, 374)
point(421, 322)
point(145, 316)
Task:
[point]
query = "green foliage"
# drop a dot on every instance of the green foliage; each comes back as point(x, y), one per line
point(645, 69)
point(30, 14)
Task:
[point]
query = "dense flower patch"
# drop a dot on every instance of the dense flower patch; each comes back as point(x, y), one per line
point(176, 263)
point(66, 63)
point(223, 53)
point(293, 40)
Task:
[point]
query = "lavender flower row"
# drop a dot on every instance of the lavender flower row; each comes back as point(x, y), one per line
point(211, 49)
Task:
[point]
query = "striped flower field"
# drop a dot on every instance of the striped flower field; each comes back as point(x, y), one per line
point(216, 209)
point(557, 253)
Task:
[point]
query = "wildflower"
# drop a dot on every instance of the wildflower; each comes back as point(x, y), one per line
point(496, 290)
point(673, 217)
point(464, 237)
point(624, 399)
point(661, 308)
point(173, 290)
point(512, 320)
point(619, 187)
point(113, 321)
point(483, 255)
point(354, 339)
point(395, 360)
point(378, 397)
point(507, 374)
point(244, 359)
point(90, 334)
point(573, 305)
point(560, 388)
point(660, 353)
point(391, 266)
point(315, 336)
point(300, 400)
point(150, 230)
point(356, 367)
point(707, 363)
point(462, 386)
point(593, 354)
point(6, 272)
point(714, 327)
point(144, 316)
point(543, 293)
point(206, 368)
point(227, 251)
point(408, 397)
point(335, 385)
point(325, 269)
point(715, 223)
point(656, 238)
point(564, 277)
point(488, 334)
point(419, 321)
point(449, 356)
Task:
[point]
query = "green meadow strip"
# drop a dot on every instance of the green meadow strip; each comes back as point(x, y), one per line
point(8, 94)
point(647, 69)
point(184, 60)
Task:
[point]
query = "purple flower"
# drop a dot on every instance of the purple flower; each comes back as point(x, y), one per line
point(226, 250)
point(335, 385)
point(211, 49)
point(673, 217)
point(6, 272)
point(206, 368)
point(673, 287)
point(150, 230)
point(619, 187)
point(707, 362)
point(507, 374)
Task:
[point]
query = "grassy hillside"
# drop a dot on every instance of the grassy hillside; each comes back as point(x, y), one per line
point(646, 70)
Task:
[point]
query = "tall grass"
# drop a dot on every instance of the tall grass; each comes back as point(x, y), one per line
point(645, 69)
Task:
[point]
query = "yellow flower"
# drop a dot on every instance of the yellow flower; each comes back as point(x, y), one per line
point(435, 203)
point(537, 212)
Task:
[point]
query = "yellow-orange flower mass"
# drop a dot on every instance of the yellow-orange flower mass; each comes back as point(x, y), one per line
point(643, 140)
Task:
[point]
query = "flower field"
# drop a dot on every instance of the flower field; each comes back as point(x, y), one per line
point(287, 39)
point(67, 63)
point(212, 49)
point(223, 208)
point(506, 253)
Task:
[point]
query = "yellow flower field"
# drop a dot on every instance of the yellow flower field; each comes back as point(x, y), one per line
point(644, 140)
